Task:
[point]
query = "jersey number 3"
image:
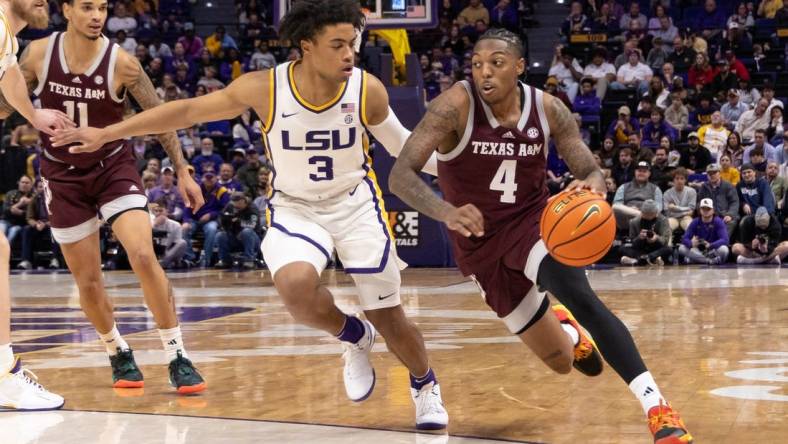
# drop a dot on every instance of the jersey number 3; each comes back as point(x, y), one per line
point(503, 181)
point(82, 108)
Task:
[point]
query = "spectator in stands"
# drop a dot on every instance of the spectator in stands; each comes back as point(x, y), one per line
point(587, 103)
point(127, 43)
point(682, 56)
point(633, 74)
point(710, 21)
point(624, 170)
point(656, 128)
point(209, 80)
point(623, 58)
point(727, 172)
point(734, 149)
point(748, 95)
point(167, 235)
point(558, 174)
point(262, 190)
point(679, 201)
point(610, 186)
point(248, 174)
point(606, 21)
point(551, 87)
point(600, 71)
point(753, 119)
point(677, 114)
point(714, 136)
point(15, 208)
point(736, 40)
point(661, 171)
point(631, 195)
point(219, 40)
point(733, 108)
point(142, 54)
point(472, 13)
point(754, 192)
point(567, 70)
point(696, 157)
point(777, 183)
point(121, 19)
point(768, 94)
point(758, 161)
point(227, 178)
point(701, 73)
point(148, 182)
point(775, 129)
point(736, 66)
point(158, 48)
point(705, 240)
point(759, 142)
point(504, 15)
point(37, 230)
point(240, 224)
point(623, 126)
point(781, 16)
point(651, 236)
point(262, 57)
point(633, 15)
point(639, 152)
point(207, 160)
point(616, 8)
point(657, 55)
point(759, 240)
point(206, 218)
point(657, 94)
point(666, 32)
point(742, 17)
point(169, 194)
point(192, 44)
point(702, 113)
point(725, 79)
point(724, 195)
point(607, 154)
point(655, 22)
point(782, 150)
point(768, 8)
point(576, 21)
point(247, 131)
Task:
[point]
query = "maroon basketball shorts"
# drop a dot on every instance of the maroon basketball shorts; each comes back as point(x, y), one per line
point(508, 282)
point(75, 197)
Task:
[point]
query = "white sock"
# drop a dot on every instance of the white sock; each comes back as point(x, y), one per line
point(112, 341)
point(172, 341)
point(646, 391)
point(572, 332)
point(6, 358)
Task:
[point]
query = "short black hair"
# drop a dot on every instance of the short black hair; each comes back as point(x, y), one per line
point(306, 18)
point(512, 40)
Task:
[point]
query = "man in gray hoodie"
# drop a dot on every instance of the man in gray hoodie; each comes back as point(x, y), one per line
point(679, 201)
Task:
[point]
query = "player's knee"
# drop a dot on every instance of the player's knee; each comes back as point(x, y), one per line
point(389, 322)
point(142, 258)
point(298, 292)
point(91, 288)
point(5, 249)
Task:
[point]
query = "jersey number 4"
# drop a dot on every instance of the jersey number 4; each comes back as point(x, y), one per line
point(503, 181)
point(82, 108)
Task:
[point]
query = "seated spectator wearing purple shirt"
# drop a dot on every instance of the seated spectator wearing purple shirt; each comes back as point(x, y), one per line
point(192, 44)
point(558, 174)
point(206, 218)
point(227, 179)
point(656, 128)
point(504, 15)
point(167, 192)
point(587, 103)
point(706, 239)
point(207, 160)
point(710, 21)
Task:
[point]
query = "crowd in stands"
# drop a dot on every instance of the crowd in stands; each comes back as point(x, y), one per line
point(681, 104)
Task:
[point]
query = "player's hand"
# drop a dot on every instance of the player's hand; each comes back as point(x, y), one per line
point(49, 120)
point(88, 139)
point(190, 191)
point(466, 220)
point(595, 182)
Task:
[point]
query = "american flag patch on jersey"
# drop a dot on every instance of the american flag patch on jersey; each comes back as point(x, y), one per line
point(348, 107)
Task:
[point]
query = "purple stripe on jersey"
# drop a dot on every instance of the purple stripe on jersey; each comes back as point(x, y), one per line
point(387, 248)
point(297, 235)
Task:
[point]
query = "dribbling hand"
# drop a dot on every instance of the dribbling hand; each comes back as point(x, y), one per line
point(594, 182)
point(466, 220)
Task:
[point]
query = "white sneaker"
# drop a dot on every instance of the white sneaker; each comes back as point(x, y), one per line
point(359, 375)
point(24, 265)
point(625, 260)
point(430, 413)
point(20, 390)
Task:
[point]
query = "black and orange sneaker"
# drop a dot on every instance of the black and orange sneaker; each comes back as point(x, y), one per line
point(666, 425)
point(587, 361)
point(125, 373)
point(184, 377)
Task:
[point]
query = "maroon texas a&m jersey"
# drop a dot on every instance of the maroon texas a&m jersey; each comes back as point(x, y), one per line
point(502, 171)
point(88, 99)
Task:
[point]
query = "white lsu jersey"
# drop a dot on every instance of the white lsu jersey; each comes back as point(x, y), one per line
point(317, 152)
point(8, 45)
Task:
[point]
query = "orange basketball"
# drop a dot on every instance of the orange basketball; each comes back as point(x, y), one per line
point(578, 227)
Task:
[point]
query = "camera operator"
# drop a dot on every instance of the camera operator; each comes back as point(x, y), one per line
point(706, 238)
point(168, 242)
point(240, 224)
point(760, 240)
point(650, 233)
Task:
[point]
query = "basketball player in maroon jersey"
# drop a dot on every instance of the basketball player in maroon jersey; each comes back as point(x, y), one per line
point(81, 72)
point(491, 135)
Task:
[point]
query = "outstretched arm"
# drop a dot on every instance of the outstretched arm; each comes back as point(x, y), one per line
point(141, 88)
point(438, 125)
point(566, 135)
point(248, 91)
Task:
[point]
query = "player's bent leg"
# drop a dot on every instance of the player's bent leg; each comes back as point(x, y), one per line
point(309, 302)
point(157, 292)
point(546, 338)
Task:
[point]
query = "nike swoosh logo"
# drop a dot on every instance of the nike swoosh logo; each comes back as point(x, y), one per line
point(380, 298)
point(354, 190)
point(285, 116)
point(593, 209)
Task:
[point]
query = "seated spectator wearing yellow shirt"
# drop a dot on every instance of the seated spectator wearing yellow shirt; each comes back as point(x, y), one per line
point(219, 40)
point(727, 172)
point(714, 135)
point(473, 12)
point(768, 8)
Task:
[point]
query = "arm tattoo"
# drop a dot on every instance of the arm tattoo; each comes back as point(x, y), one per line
point(30, 78)
point(439, 122)
point(145, 94)
point(568, 141)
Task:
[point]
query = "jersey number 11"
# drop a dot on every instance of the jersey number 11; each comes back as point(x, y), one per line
point(82, 108)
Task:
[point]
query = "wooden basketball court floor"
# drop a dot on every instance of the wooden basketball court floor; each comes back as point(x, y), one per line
point(715, 339)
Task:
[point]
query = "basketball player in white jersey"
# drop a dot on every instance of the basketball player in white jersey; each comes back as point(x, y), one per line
point(82, 72)
point(18, 387)
point(315, 113)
